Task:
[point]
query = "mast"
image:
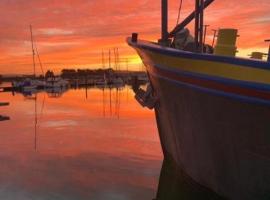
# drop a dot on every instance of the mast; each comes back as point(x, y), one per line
point(201, 25)
point(103, 65)
point(197, 24)
point(109, 58)
point(188, 19)
point(199, 16)
point(164, 21)
point(117, 58)
point(33, 51)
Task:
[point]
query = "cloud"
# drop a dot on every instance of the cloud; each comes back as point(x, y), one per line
point(68, 30)
point(55, 31)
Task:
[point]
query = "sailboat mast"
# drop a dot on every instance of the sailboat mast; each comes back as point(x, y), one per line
point(109, 58)
point(103, 63)
point(164, 21)
point(33, 51)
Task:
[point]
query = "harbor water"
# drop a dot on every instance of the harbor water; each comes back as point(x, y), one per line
point(90, 143)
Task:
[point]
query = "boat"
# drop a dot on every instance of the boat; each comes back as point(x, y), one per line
point(117, 81)
point(33, 83)
point(142, 78)
point(212, 108)
point(56, 82)
point(28, 84)
point(101, 81)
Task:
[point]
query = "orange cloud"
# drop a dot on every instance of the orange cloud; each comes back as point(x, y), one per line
point(71, 33)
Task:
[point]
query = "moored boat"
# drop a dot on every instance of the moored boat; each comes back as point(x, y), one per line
point(212, 109)
point(56, 82)
point(28, 84)
point(33, 83)
point(118, 81)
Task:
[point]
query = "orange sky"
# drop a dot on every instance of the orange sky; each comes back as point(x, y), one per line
point(72, 33)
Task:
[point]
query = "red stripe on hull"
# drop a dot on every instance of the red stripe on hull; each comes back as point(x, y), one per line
point(209, 84)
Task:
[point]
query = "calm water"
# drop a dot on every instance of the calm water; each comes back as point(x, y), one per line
point(94, 144)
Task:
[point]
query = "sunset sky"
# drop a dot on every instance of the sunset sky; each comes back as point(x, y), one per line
point(72, 33)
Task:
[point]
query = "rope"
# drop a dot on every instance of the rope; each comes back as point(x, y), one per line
point(179, 12)
point(40, 63)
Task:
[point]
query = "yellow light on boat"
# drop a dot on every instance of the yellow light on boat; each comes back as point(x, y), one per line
point(226, 42)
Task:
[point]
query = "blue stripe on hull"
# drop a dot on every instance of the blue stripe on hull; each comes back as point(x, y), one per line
point(216, 92)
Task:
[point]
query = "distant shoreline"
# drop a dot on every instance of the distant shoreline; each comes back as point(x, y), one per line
point(76, 74)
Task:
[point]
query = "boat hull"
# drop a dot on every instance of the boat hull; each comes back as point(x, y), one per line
point(218, 134)
point(221, 143)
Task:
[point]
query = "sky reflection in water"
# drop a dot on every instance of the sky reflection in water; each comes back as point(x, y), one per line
point(84, 148)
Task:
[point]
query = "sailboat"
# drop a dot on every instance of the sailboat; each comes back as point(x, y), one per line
point(30, 84)
point(212, 108)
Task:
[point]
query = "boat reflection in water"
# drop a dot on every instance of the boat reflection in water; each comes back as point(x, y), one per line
point(87, 144)
point(176, 185)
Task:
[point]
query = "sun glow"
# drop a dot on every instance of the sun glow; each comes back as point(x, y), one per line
point(73, 34)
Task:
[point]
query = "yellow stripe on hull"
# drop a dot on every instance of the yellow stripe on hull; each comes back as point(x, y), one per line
point(210, 68)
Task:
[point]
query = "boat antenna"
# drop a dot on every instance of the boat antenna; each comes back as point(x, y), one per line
point(179, 12)
point(33, 51)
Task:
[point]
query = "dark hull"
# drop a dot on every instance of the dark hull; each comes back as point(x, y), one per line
point(221, 143)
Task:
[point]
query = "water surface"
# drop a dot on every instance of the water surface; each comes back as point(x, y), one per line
point(82, 144)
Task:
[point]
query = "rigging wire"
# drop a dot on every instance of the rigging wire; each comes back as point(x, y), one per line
point(179, 12)
point(40, 63)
